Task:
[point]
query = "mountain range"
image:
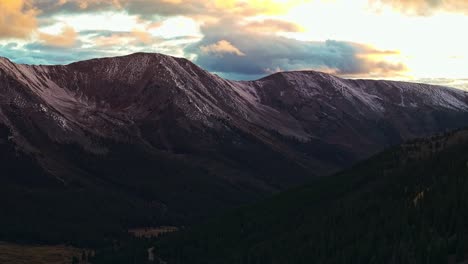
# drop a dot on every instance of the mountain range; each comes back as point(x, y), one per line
point(95, 146)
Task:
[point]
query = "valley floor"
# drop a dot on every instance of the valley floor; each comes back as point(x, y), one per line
point(153, 231)
point(32, 254)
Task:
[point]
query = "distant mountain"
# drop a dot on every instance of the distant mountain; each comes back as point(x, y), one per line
point(405, 205)
point(147, 139)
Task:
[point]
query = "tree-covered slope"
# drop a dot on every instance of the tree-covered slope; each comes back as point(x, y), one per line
point(406, 205)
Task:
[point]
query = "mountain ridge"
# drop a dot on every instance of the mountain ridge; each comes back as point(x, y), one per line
point(103, 96)
point(155, 54)
point(170, 136)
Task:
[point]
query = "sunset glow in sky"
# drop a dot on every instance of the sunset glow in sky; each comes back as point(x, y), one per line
point(420, 40)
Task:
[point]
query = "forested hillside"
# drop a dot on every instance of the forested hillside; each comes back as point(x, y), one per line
point(406, 205)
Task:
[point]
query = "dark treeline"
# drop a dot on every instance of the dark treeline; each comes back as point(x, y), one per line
point(397, 207)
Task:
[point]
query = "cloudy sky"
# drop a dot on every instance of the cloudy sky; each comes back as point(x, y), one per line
point(421, 40)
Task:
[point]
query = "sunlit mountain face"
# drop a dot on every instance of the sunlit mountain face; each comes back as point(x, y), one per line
point(416, 40)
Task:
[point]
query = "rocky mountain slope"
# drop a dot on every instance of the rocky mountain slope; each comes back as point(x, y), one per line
point(148, 138)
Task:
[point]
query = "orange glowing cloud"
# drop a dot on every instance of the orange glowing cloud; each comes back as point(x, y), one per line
point(142, 36)
point(66, 38)
point(256, 7)
point(134, 37)
point(272, 25)
point(17, 20)
point(221, 47)
point(174, 7)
